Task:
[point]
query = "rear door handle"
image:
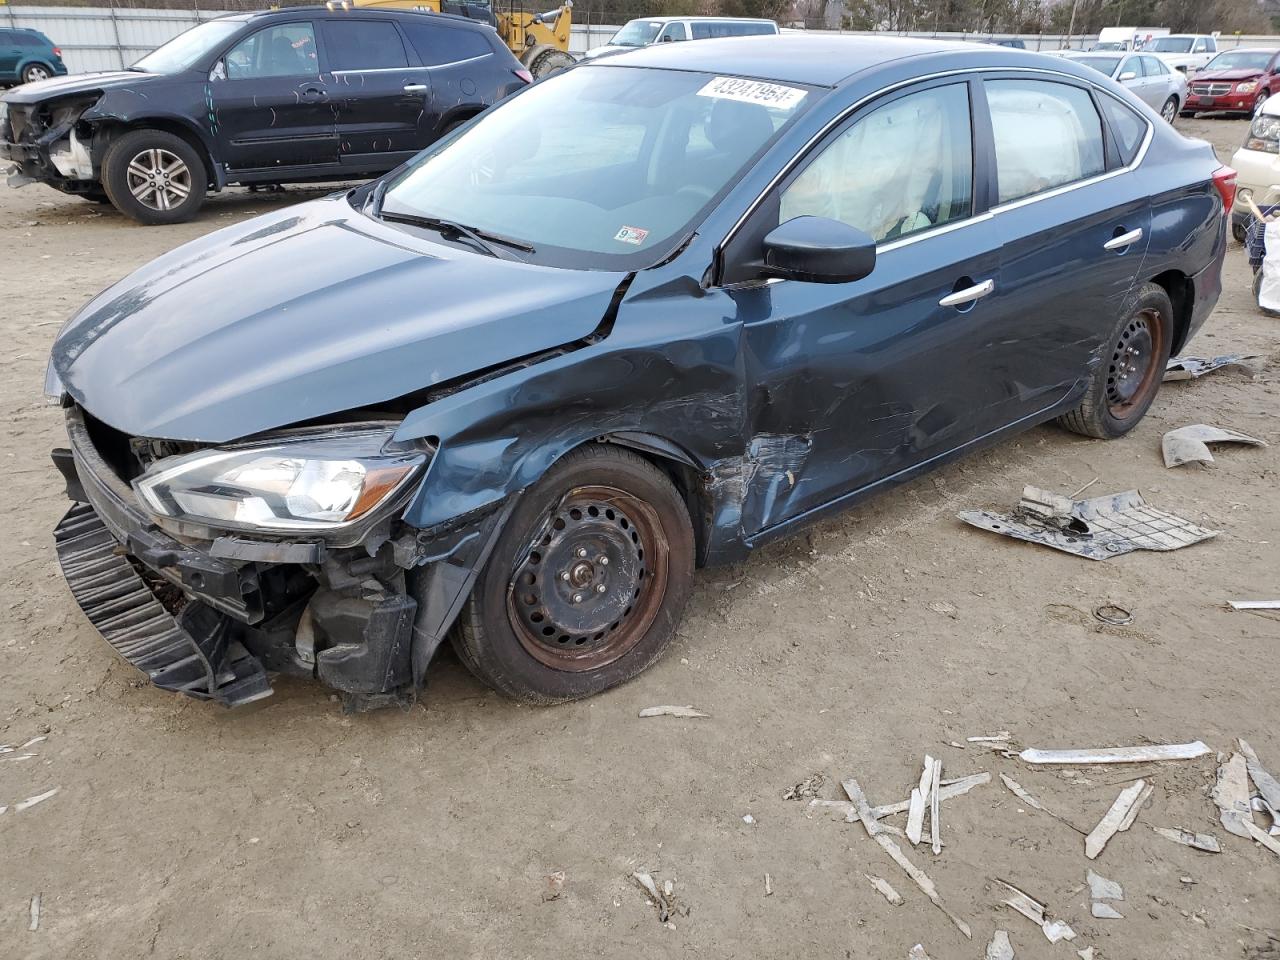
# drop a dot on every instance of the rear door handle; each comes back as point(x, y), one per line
point(968, 295)
point(1124, 240)
point(415, 88)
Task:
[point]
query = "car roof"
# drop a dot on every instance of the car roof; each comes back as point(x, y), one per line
point(666, 19)
point(818, 60)
point(361, 13)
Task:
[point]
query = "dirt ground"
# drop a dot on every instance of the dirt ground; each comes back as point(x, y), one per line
point(180, 829)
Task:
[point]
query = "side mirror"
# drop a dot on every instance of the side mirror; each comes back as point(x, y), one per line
point(818, 250)
point(219, 71)
point(667, 37)
point(1127, 75)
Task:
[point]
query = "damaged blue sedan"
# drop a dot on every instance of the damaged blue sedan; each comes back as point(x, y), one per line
point(512, 394)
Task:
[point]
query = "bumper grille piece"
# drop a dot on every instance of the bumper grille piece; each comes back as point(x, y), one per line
point(193, 653)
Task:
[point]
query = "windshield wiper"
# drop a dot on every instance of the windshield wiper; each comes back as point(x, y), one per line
point(482, 239)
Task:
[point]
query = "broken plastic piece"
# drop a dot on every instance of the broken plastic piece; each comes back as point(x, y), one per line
point(1199, 841)
point(671, 711)
point(1138, 804)
point(1110, 822)
point(35, 913)
point(885, 889)
point(645, 882)
point(1264, 838)
point(1267, 785)
point(1231, 794)
point(948, 790)
point(1034, 910)
point(768, 885)
point(30, 802)
point(934, 817)
point(917, 953)
point(999, 948)
point(1151, 754)
point(1100, 888)
point(1189, 368)
point(1104, 911)
point(1254, 604)
point(1190, 444)
point(1097, 529)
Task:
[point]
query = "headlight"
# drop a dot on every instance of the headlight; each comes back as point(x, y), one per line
point(53, 388)
point(313, 482)
point(1247, 87)
point(1264, 134)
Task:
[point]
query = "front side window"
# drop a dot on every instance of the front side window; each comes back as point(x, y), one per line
point(285, 50)
point(363, 45)
point(186, 49)
point(673, 31)
point(903, 168)
point(1170, 45)
point(637, 33)
point(1046, 135)
point(1201, 47)
point(620, 163)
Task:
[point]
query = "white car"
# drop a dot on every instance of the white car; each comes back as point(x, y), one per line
point(1185, 52)
point(1163, 89)
point(1257, 165)
point(647, 30)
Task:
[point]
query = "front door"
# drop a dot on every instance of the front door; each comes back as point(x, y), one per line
point(379, 97)
point(854, 383)
point(10, 53)
point(269, 106)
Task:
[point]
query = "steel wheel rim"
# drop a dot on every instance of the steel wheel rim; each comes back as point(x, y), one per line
point(158, 179)
point(1131, 372)
point(570, 610)
point(36, 73)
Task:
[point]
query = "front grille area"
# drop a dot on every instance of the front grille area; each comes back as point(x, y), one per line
point(1211, 89)
point(19, 122)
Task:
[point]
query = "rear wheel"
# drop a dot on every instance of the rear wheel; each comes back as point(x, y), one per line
point(1123, 385)
point(36, 71)
point(586, 583)
point(1170, 110)
point(550, 61)
point(154, 177)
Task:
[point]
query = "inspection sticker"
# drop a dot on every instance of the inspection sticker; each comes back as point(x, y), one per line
point(753, 91)
point(632, 235)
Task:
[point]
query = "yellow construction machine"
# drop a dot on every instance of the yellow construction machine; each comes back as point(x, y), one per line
point(540, 41)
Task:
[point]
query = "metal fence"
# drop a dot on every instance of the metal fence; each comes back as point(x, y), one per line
point(108, 38)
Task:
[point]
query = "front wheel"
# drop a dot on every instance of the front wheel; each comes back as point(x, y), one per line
point(1125, 382)
point(586, 584)
point(550, 61)
point(154, 177)
point(33, 72)
point(1170, 110)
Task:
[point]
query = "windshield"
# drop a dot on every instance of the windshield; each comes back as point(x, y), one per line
point(183, 51)
point(637, 33)
point(1105, 65)
point(1110, 45)
point(1241, 60)
point(1170, 45)
point(618, 167)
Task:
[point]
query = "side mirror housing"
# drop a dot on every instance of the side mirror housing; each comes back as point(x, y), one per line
point(818, 250)
point(219, 71)
point(1127, 75)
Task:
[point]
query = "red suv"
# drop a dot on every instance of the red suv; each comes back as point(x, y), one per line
point(1236, 81)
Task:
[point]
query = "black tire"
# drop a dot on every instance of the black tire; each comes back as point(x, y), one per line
point(550, 61)
point(34, 72)
point(1170, 110)
point(1188, 114)
point(1120, 390)
point(175, 165)
point(1238, 232)
point(552, 564)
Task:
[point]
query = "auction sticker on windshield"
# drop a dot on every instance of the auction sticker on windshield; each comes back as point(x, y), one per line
point(633, 235)
point(753, 91)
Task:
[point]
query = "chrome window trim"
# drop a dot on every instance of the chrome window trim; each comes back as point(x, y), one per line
point(955, 225)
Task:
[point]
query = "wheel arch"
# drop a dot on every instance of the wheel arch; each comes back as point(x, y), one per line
point(1182, 294)
point(108, 130)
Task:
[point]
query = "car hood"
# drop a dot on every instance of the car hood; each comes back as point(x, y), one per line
point(1221, 76)
point(1175, 59)
point(308, 312)
point(55, 87)
point(607, 50)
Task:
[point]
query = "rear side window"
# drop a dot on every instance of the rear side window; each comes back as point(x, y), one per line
point(438, 45)
point(903, 168)
point(1046, 135)
point(1127, 128)
point(704, 30)
point(28, 40)
point(363, 45)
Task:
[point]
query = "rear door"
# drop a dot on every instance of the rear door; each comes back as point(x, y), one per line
point(1073, 223)
point(9, 53)
point(378, 95)
point(269, 107)
point(464, 73)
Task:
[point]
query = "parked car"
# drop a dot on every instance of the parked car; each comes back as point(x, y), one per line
point(1258, 163)
point(1236, 81)
point(1011, 42)
point(1126, 39)
point(27, 56)
point(1144, 75)
point(515, 395)
point(648, 30)
point(286, 96)
point(1185, 52)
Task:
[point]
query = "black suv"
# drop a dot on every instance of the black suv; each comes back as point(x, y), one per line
point(302, 94)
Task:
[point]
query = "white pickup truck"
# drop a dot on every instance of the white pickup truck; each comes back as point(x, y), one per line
point(1187, 52)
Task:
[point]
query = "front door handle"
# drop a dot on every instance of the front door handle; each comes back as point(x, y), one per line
point(313, 92)
point(968, 295)
point(1124, 240)
point(415, 88)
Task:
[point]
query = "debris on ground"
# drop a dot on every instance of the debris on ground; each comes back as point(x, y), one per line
point(748, 819)
point(1138, 804)
point(885, 889)
point(921, 797)
point(30, 802)
point(1264, 838)
point(664, 899)
point(999, 948)
point(1254, 604)
point(1097, 529)
point(1102, 890)
point(1104, 911)
point(1149, 754)
point(768, 885)
point(919, 877)
point(934, 826)
point(1021, 793)
point(1001, 737)
point(1034, 910)
point(1199, 841)
point(34, 925)
point(673, 711)
point(1267, 785)
point(1231, 794)
point(917, 953)
point(1109, 825)
point(1190, 368)
point(555, 886)
point(1085, 954)
point(1113, 614)
point(806, 789)
point(949, 789)
point(1190, 444)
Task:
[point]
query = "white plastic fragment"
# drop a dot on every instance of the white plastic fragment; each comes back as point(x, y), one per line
point(885, 889)
point(673, 711)
point(1267, 785)
point(917, 953)
point(30, 802)
point(915, 815)
point(1151, 754)
point(768, 885)
point(1085, 954)
point(1001, 737)
point(32, 742)
point(1264, 838)
point(748, 819)
point(1190, 444)
point(1100, 888)
point(1199, 841)
point(1104, 911)
point(35, 913)
point(1110, 823)
point(1034, 910)
point(645, 882)
point(1056, 930)
point(1138, 804)
point(948, 790)
point(999, 948)
point(934, 826)
point(1254, 604)
point(1231, 794)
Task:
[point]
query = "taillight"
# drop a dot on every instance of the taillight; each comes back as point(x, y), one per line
point(524, 75)
point(1224, 178)
point(57, 51)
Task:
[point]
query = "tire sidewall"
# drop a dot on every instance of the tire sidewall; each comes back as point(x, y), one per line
point(1149, 296)
point(48, 70)
point(496, 651)
point(116, 186)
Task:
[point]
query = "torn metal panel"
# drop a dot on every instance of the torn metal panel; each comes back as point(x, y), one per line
point(1099, 528)
point(1190, 444)
point(1189, 368)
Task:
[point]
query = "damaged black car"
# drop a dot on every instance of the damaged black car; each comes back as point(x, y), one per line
point(305, 94)
point(512, 394)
